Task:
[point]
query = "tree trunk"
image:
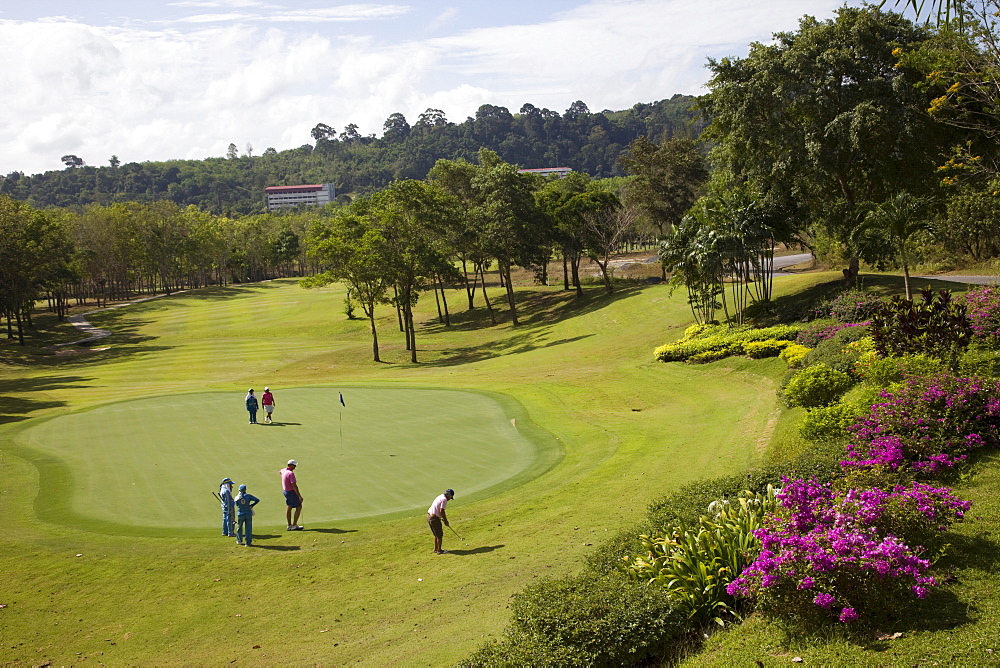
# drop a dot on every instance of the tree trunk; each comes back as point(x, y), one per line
point(444, 303)
point(575, 265)
point(604, 273)
point(437, 302)
point(505, 272)
point(370, 312)
point(486, 297)
point(470, 292)
point(413, 333)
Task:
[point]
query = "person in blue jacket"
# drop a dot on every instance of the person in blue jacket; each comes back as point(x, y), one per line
point(228, 515)
point(252, 406)
point(244, 516)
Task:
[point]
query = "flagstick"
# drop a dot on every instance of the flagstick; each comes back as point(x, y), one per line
point(341, 428)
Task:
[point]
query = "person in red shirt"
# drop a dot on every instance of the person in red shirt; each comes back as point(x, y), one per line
point(293, 498)
point(267, 401)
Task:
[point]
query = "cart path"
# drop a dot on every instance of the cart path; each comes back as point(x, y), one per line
point(96, 333)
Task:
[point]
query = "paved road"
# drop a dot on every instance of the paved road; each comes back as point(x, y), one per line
point(784, 261)
point(975, 280)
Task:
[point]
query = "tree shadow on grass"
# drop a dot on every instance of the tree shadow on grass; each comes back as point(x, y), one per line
point(477, 550)
point(16, 404)
point(518, 343)
point(217, 292)
point(534, 307)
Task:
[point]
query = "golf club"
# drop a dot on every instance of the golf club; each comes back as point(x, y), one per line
point(456, 533)
point(217, 497)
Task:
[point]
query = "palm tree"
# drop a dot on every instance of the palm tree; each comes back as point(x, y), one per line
point(944, 10)
point(887, 229)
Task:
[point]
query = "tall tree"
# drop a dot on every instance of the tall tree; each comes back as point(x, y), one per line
point(669, 178)
point(34, 248)
point(512, 226)
point(885, 236)
point(357, 254)
point(409, 216)
point(826, 116)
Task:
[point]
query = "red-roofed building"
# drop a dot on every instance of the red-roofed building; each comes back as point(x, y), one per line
point(281, 197)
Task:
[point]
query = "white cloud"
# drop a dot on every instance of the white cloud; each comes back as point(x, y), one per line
point(188, 89)
point(277, 14)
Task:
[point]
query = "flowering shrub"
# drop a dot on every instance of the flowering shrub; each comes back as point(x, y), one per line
point(817, 385)
point(854, 306)
point(927, 424)
point(829, 554)
point(811, 336)
point(983, 309)
point(793, 354)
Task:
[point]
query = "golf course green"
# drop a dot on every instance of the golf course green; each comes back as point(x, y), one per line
point(97, 569)
point(153, 462)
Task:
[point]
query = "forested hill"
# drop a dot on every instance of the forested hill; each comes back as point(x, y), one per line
point(356, 164)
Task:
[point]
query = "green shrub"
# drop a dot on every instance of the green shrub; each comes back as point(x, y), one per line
point(761, 349)
point(936, 326)
point(709, 356)
point(828, 424)
point(691, 501)
point(586, 620)
point(817, 385)
point(793, 354)
point(886, 371)
point(980, 361)
point(720, 341)
point(694, 564)
point(836, 352)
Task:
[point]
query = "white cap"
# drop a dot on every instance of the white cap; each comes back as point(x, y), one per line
point(292, 462)
point(266, 389)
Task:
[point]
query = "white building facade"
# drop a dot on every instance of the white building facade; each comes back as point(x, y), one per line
point(282, 197)
point(561, 172)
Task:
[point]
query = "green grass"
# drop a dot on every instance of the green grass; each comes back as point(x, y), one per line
point(150, 463)
point(364, 589)
point(79, 588)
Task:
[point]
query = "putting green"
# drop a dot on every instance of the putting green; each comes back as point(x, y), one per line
point(155, 462)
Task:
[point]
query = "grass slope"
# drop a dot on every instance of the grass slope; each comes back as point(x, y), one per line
point(362, 590)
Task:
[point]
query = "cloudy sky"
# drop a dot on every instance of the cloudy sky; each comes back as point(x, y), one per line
point(154, 80)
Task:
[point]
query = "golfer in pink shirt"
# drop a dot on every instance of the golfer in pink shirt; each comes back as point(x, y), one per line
point(293, 498)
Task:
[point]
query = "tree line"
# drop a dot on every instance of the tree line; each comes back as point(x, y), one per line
point(358, 164)
point(416, 235)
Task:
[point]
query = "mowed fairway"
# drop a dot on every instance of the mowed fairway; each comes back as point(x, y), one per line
point(102, 575)
point(151, 463)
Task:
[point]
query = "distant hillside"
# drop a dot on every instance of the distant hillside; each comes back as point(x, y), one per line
point(533, 137)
